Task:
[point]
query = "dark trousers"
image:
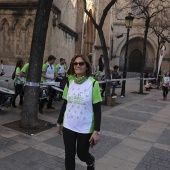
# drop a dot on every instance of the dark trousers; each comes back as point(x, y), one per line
point(72, 138)
point(50, 101)
point(113, 90)
point(18, 91)
point(42, 103)
point(165, 91)
point(103, 88)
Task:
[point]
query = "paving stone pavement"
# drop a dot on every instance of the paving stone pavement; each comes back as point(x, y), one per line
point(135, 135)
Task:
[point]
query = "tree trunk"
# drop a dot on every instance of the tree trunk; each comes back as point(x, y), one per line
point(157, 56)
point(106, 64)
point(147, 22)
point(31, 93)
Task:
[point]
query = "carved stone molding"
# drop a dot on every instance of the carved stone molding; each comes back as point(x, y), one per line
point(16, 6)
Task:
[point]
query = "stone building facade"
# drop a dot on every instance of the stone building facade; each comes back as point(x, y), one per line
point(16, 29)
point(70, 31)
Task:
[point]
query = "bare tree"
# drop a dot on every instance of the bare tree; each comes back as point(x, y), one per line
point(99, 28)
point(30, 108)
point(161, 28)
point(145, 10)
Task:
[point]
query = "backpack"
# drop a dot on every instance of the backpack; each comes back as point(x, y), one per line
point(13, 74)
point(63, 82)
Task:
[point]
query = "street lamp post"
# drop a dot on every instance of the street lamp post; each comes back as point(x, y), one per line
point(128, 24)
point(158, 68)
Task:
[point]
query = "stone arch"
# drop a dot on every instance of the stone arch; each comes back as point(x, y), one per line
point(134, 55)
point(4, 37)
point(2, 22)
point(88, 35)
point(133, 36)
point(28, 21)
point(29, 32)
point(18, 42)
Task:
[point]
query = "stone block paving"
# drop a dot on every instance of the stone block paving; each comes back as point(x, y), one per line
point(145, 108)
point(105, 145)
point(118, 126)
point(164, 138)
point(56, 141)
point(155, 159)
point(154, 102)
point(32, 159)
point(5, 142)
point(132, 115)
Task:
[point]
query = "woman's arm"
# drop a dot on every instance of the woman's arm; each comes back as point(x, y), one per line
point(97, 116)
point(61, 115)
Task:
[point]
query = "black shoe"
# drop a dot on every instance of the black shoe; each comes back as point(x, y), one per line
point(40, 111)
point(51, 107)
point(92, 166)
point(114, 94)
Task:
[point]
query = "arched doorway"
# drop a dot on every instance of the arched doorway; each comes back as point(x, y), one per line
point(135, 61)
point(88, 36)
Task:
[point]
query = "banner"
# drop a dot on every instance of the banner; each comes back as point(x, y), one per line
point(162, 53)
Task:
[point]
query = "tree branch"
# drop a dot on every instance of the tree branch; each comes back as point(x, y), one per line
point(89, 15)
point(105, 11)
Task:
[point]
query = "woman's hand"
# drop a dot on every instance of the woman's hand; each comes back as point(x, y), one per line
point(59, 129)
point(94, 139)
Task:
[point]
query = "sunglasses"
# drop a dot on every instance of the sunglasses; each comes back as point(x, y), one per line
point(79, 63)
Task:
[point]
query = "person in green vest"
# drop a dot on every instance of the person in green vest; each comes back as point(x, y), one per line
point(48, 75)
point(24, 72)
point(18, 82)
point(80, 114)
point(61, 68)
point(165, 85)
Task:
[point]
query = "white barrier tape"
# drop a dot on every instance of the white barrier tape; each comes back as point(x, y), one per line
point(51, 84)
point(3, 80)
point(149, 78)
point(135, 78)
point(32, 84)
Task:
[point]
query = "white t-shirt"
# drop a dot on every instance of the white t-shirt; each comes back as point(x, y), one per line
point(79, 115)
point(166, 81)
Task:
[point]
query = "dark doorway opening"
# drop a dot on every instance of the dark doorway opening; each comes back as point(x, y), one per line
point(135, 61)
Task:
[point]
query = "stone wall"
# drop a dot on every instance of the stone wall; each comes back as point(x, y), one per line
point(16, 28)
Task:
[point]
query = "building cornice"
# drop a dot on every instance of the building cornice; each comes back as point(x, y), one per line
point(16, 6)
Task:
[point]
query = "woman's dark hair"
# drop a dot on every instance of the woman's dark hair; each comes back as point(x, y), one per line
point(86, 60)
point(19, 63)
point(51, 57)
point(166, 73)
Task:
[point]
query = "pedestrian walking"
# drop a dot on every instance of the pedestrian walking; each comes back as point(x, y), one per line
point(115, 75)
point(80, 114)
point(18, 83)
point(165, 85)
point(101, 63)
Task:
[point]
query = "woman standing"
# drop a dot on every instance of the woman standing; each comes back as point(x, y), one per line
point(165, 85)
point(80, 114)
point(18, 82)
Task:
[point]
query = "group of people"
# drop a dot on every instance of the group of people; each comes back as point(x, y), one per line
point(80, 116)
point(50, 73)
point(114, 75)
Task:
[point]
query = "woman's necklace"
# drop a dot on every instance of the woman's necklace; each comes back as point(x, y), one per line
point(79, 80)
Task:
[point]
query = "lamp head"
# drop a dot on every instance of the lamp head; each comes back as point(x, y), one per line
point(129, 20)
